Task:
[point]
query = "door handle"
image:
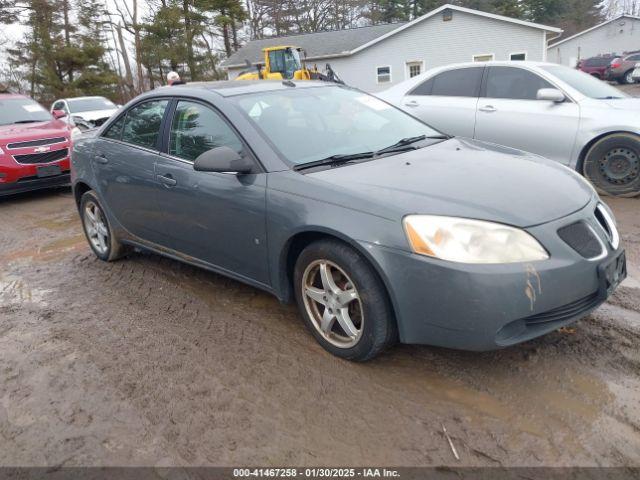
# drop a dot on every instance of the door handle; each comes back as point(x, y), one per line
point(412, 104)
point(488, 109)
point(100, 158)
point(167, 180)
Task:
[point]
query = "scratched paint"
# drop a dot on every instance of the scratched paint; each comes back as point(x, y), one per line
point(533, 285)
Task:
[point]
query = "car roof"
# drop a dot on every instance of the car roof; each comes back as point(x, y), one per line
point(81, 98)
point(228, 88)
point(12, 95)
point(498, 63)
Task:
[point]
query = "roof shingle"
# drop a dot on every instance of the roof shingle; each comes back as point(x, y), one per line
point(316, 45)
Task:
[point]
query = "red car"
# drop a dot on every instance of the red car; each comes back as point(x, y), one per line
point(596, 66)
point(34, 146)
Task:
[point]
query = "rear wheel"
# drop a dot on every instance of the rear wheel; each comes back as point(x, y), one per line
point(97, 229)
point(343, 302)
point(613, 165)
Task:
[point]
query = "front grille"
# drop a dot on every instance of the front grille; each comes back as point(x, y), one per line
point(46, 157)
point(565, 312)
point(582, 239)
point(607, 223)
point(37, 143)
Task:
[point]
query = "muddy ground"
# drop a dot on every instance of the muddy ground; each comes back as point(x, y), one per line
point(147, 361)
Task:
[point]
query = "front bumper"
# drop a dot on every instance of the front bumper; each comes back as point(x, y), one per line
point(486, 307)
point(18, 178)
point(30, 183)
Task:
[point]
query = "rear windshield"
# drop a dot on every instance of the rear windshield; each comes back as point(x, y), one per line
point(88, 104)
point(22, 110)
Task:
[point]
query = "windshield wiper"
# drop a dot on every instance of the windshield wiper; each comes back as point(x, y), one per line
point(29, 121)
point(407, 143)
point(335, 160)
point(341, 159)
point(610, 98)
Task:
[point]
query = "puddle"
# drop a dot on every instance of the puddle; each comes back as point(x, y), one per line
point(633, 277)
point(14, 290)
point(623, 315)
point(58, 224)
point(49, 251)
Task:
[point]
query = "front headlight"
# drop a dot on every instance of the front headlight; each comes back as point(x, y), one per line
point(471, 241)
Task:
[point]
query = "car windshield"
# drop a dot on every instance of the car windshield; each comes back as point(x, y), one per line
point(310, 124)
point(585, 83)
point(88, 104)
point(22, 110)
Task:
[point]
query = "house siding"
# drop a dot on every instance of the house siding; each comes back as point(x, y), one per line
point(436, 43)
point(609, 38)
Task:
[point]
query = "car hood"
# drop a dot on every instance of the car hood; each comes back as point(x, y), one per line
point(632, 104)
point(464, 178)
point(95, 114)
point(31, 131)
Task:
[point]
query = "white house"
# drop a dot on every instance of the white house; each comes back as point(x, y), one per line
point(376, 57)
point(616, 36)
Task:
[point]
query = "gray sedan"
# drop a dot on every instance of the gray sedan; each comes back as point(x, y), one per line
point(381, 228)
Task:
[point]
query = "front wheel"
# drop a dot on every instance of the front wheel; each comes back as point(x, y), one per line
point(97, 229)
point(628, 77)
point(613, 165)
point(343, 302)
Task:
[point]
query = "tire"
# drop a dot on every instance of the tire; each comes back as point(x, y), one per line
point(99, 233)
point(627, 79)
point(613, 165)
point(369, 310)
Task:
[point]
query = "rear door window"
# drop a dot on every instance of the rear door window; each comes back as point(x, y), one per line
point(514, 83)
point(142, 124)
point(463, 82)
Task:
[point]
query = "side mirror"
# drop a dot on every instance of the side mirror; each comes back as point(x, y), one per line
point(551, 95)
point(57, 114)
point(222, 160)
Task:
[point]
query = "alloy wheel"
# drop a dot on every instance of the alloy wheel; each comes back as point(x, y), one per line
point(96, 227)
point(333, 303)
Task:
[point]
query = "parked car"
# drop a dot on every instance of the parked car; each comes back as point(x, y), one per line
point(595, 66)
point(554, 111)
point(34, 146)
point(86, 112)
point(379, 226)
point(621, 69)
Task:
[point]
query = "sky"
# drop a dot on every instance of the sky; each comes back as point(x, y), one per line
point(13, 32)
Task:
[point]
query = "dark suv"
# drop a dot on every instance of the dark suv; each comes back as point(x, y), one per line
point(596, 66)
point(621, 68)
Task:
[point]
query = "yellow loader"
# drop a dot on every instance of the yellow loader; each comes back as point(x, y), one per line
point(284, 63)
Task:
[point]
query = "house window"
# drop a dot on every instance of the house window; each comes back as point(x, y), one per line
point(485, 57)
point(383, 74)
point(414, 69)
point(521, 56)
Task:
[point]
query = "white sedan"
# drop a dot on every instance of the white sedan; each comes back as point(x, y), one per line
point(86, 112)
point(544, 108)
